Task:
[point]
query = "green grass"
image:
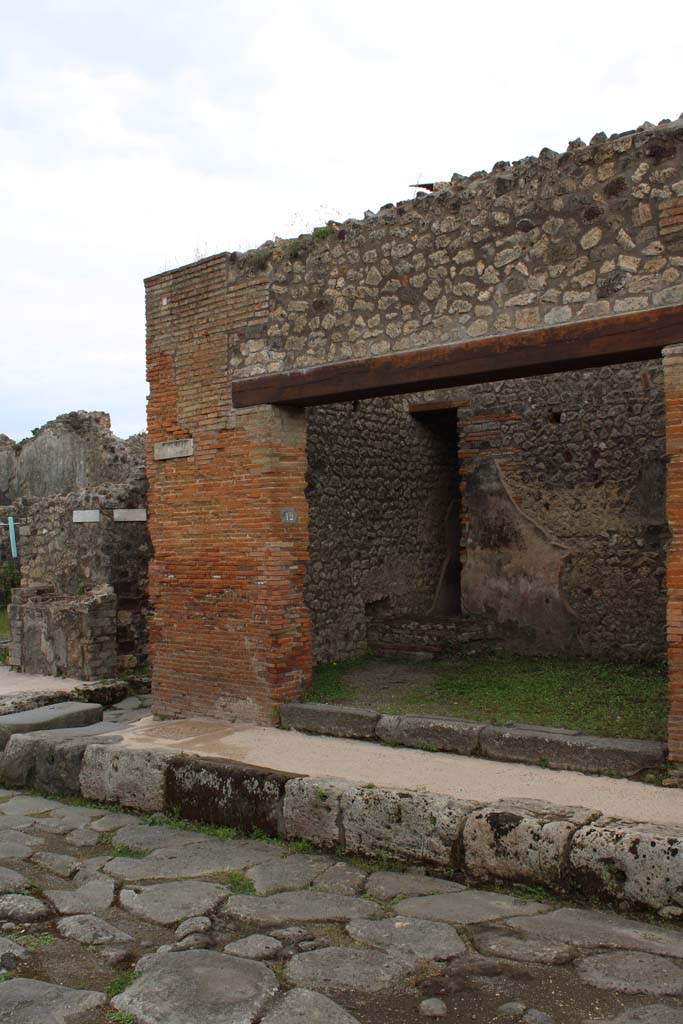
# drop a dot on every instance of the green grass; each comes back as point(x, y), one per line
point(121, 1017)
point(34, 942)
point(120, 983)
point(4, 623)
point(596, 697)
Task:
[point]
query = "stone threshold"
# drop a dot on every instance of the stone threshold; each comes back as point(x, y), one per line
point(570, 851)
point(99, 691)
point(526, 744)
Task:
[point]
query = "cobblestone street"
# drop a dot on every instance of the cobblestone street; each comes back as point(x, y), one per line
point(142, 922)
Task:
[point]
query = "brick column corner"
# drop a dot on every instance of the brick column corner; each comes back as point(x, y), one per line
point(672, 358)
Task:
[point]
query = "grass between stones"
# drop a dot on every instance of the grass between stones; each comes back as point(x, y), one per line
point(4, 623)
point(120, 983)
point(121, 1017)
point(596, 697)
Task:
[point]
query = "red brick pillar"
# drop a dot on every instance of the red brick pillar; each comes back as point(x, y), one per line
point(672, 357)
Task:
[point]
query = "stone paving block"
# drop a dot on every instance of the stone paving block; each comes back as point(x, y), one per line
point(25, 1001)
point(205, 858)
point(563, 748)
point(641, 864)
point(227, 793)
point(11, 953)
point(470, 906)
point(17, 845)
point(255, 947)
point(456, 736)
point(411, 937)
point(596, 929)
point(11, 881)
point(96, 894)
point(129, 776)
point(387, 885)
point(295, 872)
point(171, 902)
point(499, 942)
point(311, 810)
point(330, 720)
point(632, 972)
point(524, 841)
point(300, 1006)
point(342, 969)
point(22, 909)
point(142, 837)
point(51, 761)
point(197, 985)
point(342, 878)
point(307, 905)
point(63, 715)
point(91, 931)
point(420, 827)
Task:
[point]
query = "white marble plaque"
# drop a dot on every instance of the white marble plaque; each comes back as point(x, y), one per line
point(130, 515)
point(174, 449)
point(85, 515)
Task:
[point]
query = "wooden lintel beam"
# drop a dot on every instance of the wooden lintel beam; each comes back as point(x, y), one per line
point(630, 337)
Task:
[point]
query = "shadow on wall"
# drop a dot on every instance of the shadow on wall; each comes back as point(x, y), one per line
point(512, 568)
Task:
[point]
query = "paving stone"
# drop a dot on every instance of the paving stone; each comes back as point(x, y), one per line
point(113, 821)
point(29, 805)
point(55, 826)
point(11, 953)
point(653, 1014)
point(91, 931)
point(293, 872)
point(11, 881)
point(387, 885)
point(290, 935)
point(300, 1006)
point(25, 1001)
point(307, 905)
point(83, 837)
point(194, 941)
point(469, 906)
point(127, 704)
point(171, 902)
point(338, 969)
point(204, 858)
point(17, 845)
point(255, 947)
point(329, 720)
point(197, 986)
point(525, 949)
point(57, 863)
point(95, 894)
point(17, 822)
point(61, 715)
point(342, 878)
point(595, 929)
point(433, 1008)
point(193, 926)
point(423, 940)
point(155, 837)
point(632, 972)
point(15, 907)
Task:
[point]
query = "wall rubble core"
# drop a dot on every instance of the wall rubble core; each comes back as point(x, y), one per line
point(589, 233)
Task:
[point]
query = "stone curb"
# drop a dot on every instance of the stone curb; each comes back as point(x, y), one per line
point(567, 850)
point(101, 691)
point(527, 744)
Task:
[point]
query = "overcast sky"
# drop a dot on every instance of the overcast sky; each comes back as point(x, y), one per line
point(137, 135)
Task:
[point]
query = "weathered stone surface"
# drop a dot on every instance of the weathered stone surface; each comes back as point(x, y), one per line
point(329, 720)
point(454, 735)
point(15, 907)
point(311, 810)
point(642, 864)
point(95, 894)
point(194, 860)
point(521, 841)
point(24, 1001)
point(433, 1008)
point(11, 954)
point(197, 985)
point(654, 1014)
point(110, 822)
point(300, 1006)
point(51, 761)
point(467, 907)
point(91, 931)
point(341, 878)
point(387, 885)
point(82, 837)
point(307, 905)
point(338, 969)
point(509, 946)
point(30, 805)
point(170, 902)
point(595, 929)
point(193, 926)
point(255, 947)
point(63, 715)
point(423, 940)
point(11, 881)
point(17, 845)
point(129, 776)
point(423, 827)
point(560, 748)
point(632, 972)
point(141, 837)
point(293, 872)
point(17, 822)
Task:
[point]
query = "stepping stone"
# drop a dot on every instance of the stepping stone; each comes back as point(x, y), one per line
point(57, 863)
point(295, 872)
point(91, 931)
point(595, 929)
point(255, 947)
point(632, 972)
point(197, 985)
point(337, 969)
point(206, 858)
point(469, 906)
point(387, 885)
point(343, 879)
point(523, 948)
point(95, 894)
point(83, 837)
point(308, 905)
point(171, 902)
point(403, 936)
point(155, 837)
point(25, 1001)
point(22, 909)
point(11, 881)
point(299, 1006)
point(27, 805)
point(655, 1014)
point(113, 821)
point(64, 715)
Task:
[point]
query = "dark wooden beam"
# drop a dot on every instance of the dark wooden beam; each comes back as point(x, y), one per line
point(616, 339)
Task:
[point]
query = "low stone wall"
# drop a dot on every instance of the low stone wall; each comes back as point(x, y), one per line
point(567, 850)
point(412, 636)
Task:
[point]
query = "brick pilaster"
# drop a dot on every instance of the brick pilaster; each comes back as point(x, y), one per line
point(672, 358)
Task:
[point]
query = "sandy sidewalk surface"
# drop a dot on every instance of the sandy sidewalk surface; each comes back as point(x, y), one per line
point(21, 682)
point(464, 777)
